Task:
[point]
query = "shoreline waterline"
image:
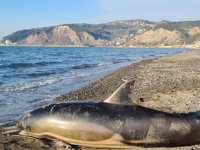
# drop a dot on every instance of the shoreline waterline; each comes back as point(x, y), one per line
point(168, 83)
point(107, 75)
point(78, 94)
point(39, 89)
point(85, 46)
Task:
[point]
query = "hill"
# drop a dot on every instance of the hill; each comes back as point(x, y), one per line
point(118, 33)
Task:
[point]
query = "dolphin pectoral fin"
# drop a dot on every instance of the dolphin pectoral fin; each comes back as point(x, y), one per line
point(122, 94)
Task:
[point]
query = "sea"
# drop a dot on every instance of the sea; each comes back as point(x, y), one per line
point(31, 77)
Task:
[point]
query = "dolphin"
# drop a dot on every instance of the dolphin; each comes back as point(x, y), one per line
point(115, 122)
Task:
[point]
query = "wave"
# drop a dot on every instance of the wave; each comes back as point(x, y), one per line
point(121, 61)
point(152, 55)
point(39, 74)
point(25, 65)
point(104, 64)
point(32, 85)
point(35, 100)
point(85, 66)
point(32, 75)
point(37, 84)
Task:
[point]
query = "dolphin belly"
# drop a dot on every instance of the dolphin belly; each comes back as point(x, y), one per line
point(75, 132)
point(79, 130)
point(82, 133)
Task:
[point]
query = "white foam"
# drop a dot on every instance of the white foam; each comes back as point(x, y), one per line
point(45, 82)
point(31, 85)
point(104, 64)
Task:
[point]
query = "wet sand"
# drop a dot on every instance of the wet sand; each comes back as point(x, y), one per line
point(168, 83)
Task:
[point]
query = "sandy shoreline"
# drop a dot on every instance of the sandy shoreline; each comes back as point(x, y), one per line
point(168, 83)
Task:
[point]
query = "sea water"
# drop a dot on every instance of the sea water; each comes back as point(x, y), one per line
point(34, 76)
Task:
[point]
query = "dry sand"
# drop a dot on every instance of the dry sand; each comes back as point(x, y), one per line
point(169, 83)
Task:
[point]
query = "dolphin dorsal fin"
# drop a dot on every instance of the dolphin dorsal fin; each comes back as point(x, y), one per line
point(122, 94)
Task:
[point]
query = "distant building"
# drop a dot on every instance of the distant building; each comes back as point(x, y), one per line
point(7, 42)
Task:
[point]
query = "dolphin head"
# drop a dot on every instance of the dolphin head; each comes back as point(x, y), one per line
point(26, 121)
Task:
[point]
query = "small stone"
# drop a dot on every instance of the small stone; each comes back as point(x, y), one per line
point(141, 99)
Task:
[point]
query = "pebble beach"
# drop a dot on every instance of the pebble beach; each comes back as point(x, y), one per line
point(167, 83)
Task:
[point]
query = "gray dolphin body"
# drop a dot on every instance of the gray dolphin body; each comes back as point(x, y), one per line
point(110, 124)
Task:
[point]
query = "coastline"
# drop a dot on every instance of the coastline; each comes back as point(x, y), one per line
point(80, 46)
point(67, 67)
point(156, 80)
point(168, 83)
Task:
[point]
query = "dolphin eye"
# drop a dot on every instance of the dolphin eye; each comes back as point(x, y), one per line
point(28, 128)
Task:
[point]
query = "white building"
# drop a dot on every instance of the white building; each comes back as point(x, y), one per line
point(7, 42)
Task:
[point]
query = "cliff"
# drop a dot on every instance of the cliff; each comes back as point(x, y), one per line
point(118, 33)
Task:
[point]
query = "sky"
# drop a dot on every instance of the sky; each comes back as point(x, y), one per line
point(24, 14)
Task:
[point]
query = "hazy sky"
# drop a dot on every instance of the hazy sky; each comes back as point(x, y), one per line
point(22, 14)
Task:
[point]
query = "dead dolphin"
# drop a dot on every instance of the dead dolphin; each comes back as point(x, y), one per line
point(111, 124)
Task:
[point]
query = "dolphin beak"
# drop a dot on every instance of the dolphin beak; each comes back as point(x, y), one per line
point(10, 130)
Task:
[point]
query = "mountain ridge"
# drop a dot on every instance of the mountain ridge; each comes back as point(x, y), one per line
point(125, 33)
